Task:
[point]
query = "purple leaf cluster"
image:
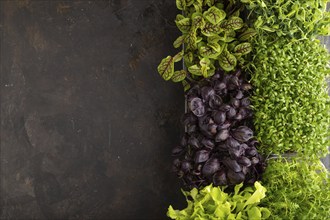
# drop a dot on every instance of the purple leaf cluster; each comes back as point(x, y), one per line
point(218, 146)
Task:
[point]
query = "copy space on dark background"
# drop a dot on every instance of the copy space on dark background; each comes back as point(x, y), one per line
point(87, 124)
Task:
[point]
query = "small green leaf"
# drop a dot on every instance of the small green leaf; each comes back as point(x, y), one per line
point(208, 51)
point(205, 66)
point(243, 48)
point(259, 194)
point(233, 23)
point(188, 58)
point(183, 25)
point(195, 70)
point(189, 2)
point(178, 57)
point(197, 21)
point(191, 40)
point(179, 75)
point(214, 15)
point(250, 32)
point(227, 61)
point(166, 68)
point(179, 41)
point(254, 213)
point(211, 29)
point(181, 4)
point(186, 85)
point(213, 39)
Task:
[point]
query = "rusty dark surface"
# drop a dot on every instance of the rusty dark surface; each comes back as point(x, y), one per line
point(87, 124)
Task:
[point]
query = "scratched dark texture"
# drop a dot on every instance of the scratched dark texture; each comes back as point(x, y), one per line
point(87, 124)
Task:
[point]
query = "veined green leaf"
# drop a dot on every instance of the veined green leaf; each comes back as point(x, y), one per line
point(181, 4)
point(191, 40)
point(178, 57)
point(188, 58)
point(250, 32)
point(186, 87)
point(198, 5)
point(243, 48)
point(183, 25)
point(213, 39)
point(227, 61)
point(179, 41)
point(214, 15)
point(233, 23)
point(166, 68)
point(210, 50)
point(209, 2)
point(189, 2)
point(211, 29)
point(197, 21)
point(205, 63)
point(179, 75)
point(195, 70)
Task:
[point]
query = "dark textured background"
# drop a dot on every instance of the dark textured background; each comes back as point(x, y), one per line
point(87, 124)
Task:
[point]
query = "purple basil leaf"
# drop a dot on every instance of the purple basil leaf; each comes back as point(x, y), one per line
point(252, 151)
point(186, 166)
point(234, 102)
point(194, 142)
point(210, 167)
point(215, 101)
point(207, 92)
point(235, 178)
point(196, 106)
point(225, 125)
point(232, 164)
point(220, 178)
point(231, 113)
point(242, 133)
point(222, 135)
point(232, 143)
point(244, 161)
point(177, 151)
point(219, 117)
point(208, 143)
point(245, 102)
point(202, 156)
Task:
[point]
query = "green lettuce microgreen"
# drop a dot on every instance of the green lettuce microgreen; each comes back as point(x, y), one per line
point(215, 203)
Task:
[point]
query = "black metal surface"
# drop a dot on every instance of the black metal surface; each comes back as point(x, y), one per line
point(87, 125)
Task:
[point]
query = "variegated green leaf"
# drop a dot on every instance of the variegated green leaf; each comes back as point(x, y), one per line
point(189, 2)
point(227, 61)
point(166, 68)
point(186, 85)
point(250, 32)
point(211, 29)
point(205, 63)
point(243, 48)
point(191, 40)
point(183, 25)
point(197, 21)
point(178, 57)
point(181, 4)
point(214, 15)
point(198, 5)
point(195, 70)
point(179, 41)
point(213, 39)
point(233, 23)
point(179, 75)
point(209, 2)
point(211, 50)
point(188, 58)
